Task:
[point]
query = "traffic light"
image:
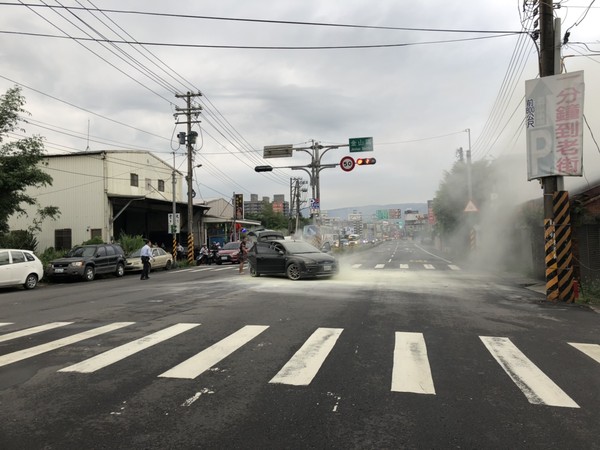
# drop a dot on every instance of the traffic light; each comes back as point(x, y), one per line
point(365, 161)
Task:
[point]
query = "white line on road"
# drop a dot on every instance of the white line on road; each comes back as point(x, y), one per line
point(356, 266)
point(404, 266)
point(30, 331)
point(453, 267)
point(201, 269)
point(5, 323)
point(537, 387)
point(592, 350)
point(39, 349)
point(411, 372)
point(194, 366)
point(117, 354)
point(306, 362)
point(379, 266)
point(429, 266)
point(432, 254)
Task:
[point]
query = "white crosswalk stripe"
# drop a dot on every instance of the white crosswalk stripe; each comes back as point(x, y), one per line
point(306, 362)
point(117, 354)
point(5, 323)
point(453, 267)
point(194, 366)
point(30, 331)
point(592, 350)
point(429, 266)
point(411, 372)
point(39, 349)
point(404, 266)
point(356, 266)
point(379, 266)
point(537, 387)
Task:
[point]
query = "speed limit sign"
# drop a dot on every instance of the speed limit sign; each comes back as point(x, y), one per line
point(347, 163)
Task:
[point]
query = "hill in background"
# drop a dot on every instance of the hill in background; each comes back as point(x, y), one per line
point(369, 211)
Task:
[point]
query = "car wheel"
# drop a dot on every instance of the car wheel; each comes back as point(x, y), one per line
point(120, 270)
point(30, 281)
point(168, 265)
point(89, 273)
point(293, 271)
point(253, 272)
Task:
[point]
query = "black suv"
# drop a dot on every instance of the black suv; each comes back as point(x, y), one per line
point(85, 261)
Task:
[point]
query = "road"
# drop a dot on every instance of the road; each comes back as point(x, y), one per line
point(404, 349)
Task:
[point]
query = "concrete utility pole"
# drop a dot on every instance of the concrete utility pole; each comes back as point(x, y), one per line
point(188, 111)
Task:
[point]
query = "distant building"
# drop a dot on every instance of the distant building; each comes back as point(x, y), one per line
point(255, 206)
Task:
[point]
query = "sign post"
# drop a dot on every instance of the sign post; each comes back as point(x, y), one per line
point(347, 163)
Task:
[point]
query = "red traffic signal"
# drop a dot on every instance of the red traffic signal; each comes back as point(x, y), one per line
point(365, 161)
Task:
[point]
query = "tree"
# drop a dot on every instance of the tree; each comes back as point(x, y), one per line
point(20, 161)
point(270, 219)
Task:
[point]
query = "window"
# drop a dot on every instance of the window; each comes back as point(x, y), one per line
point(96, 233)
point(134, 179)
point(17, 257)
point(62, 239)
point(110, 250)
point(4, 258)
point(101, 251)
point(161, 185)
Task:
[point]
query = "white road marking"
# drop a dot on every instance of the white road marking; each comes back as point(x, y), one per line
point(30, 331)
point(202, 269)
point(537, 387)
point(592, 350)
point(306, 362)
point(356, 266)
point(453, 267)
point(390, 260)
point(183, 270)
point(196, 396)
point(39, 349)
point(5, 323)
point(379, 266)
point(224, 268)
point(194, 366)
point(117, 354)
point(411, 371)
point(404, 266)
point(428, 266)
point(432, 254)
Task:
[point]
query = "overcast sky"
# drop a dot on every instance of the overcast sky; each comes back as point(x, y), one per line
point(445, 67)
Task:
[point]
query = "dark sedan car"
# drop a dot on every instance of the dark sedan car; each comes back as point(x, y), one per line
point(295, 259)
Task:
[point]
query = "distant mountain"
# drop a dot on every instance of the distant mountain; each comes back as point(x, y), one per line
point(369, 210)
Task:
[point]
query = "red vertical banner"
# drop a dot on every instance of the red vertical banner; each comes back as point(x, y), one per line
point(238, 206)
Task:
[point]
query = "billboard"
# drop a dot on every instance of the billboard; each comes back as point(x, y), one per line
point(238, 206)
point(554, 121)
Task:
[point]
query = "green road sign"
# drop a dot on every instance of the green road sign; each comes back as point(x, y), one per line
point(361, 144)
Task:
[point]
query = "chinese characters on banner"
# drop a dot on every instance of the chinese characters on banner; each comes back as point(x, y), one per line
point(554, 119)
point(238, 206)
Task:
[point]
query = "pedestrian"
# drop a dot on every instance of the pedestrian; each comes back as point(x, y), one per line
point(146, 255)
point(203, 256)
point(180, 255)
point(242, 255)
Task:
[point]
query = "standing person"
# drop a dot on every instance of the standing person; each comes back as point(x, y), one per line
point(146, 255)
point(179, 251)
point(243, 254)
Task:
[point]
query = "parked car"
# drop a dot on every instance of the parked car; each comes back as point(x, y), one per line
point(295, 259)
point(20, 267)
point(87, 261)
point(229, 253)
point(160, 260)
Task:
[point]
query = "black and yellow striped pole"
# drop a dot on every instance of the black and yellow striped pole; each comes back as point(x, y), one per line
point(564, 254)
point(550, 259)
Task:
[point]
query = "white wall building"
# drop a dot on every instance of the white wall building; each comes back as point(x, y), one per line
point(104, 193)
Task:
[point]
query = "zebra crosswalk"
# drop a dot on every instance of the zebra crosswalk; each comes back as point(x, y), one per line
point(405, 266)
point(411, 369)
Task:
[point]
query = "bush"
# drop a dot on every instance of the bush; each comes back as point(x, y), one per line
point(22, 239)
point(130, 243)
point(50, 254)
point(590, 292)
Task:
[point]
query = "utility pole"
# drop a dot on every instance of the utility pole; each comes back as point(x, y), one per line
point(174, 224)
point(188, 111)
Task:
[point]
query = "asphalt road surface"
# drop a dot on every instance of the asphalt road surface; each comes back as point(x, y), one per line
point(404, 349)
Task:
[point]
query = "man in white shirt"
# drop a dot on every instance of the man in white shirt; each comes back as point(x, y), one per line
point(146, 255)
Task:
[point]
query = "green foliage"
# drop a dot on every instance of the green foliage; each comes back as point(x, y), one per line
point(94, 240)
point(19, 162)
point(51, 254)
point(130, 243)
point(270, 219)
point(590, 292)
point(452, 195)
point(23, 239)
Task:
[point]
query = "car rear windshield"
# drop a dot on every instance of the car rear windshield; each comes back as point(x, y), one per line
point(231, 246)
point(300, 247)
